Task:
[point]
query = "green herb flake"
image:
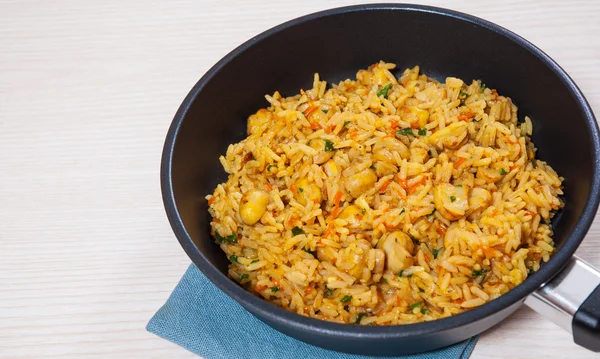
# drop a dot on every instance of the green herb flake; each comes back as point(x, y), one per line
point(232, 238)
point(275, 289)
point(479, 273)
point(233, 258)
point(328, 292)
point(452, 198)
point(363, 211)
point(346, 299)
point(424, 310)
point(244, 276)
point(359, 317)
point(270, 166)
point(483, 87)
point(462, 94)
point(219, 238)
point(530, 271)
point(301, 189)
point(432, 212)
point(347, 308)
point(435, 252)
point(401, 273)
point(346, 123)
point(503, 171)
point(372, 167)
point(459, 185)
point(254, 261)
point(415, 305)
point(324, 111)
point(403, 210)
point(328, 146)
point(296, 231)
point(405, 132)
point(384, 91)
point(423, 132)
point(384, 280)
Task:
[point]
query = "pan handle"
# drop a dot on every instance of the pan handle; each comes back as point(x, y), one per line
point(572, 301)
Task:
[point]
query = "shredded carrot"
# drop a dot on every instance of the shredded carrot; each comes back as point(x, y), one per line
point(309, 110)
point(329, 129)
point(269, 187)
point(426, 256)
point(441, 230)
point(260, 288)
point(459, 162)
point(530, 213)
point(384, 186)
point(337, 198)
point(315, 126)
point(308, 290)
point(386, 210)
point(414, 186)
point(276, 282)
point(510, 140)
point(292, 187)
point(353, 133)
point(211, 200)
point(402, 195)
point(292, 221)
point(394, 125)
point(403, 183)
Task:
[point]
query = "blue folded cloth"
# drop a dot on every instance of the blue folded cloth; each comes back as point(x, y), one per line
point(204, 320)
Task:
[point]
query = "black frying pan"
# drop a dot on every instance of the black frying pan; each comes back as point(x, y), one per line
point(338, 42)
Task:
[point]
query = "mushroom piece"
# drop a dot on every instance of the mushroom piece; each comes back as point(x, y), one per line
point(398, 248)
point(451, 201)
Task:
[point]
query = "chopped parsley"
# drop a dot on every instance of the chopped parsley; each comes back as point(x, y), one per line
point(479, 273)
point(346, 123)
point(346, 299)
point(405, 132)
point(296, 231)
point(233, 258)
point(432, 212)
point(401, 273)
point(459, 185)
point(347, 308)
point(254, 261)
point(328, 146)
point(403, 210)
point(384, 91)
point(452, 198)
point(328, 292)
point(415, 305)
point(244, 276)
point(483, 87)
point(325, 111)
point(275, 289)
point(462, 94)
point(372, 167)
point(423, 132)
point(270, 166)
point(424, 310)
point(530, 271)
point(359, 317)
point(232, 238)
point(435, 252)
point(301, 189)
point(503, 171)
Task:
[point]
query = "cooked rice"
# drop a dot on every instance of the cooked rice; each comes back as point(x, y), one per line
point(385, 200)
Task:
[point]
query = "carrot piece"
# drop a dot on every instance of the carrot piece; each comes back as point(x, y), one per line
point(403, 183)
point(260, 288)
point(315, 126)
point(384, 186)
point(337, 198)
point(310, 109)
point(459, 162)
point(211, 200)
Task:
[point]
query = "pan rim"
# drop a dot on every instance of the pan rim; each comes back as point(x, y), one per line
point(285, 318)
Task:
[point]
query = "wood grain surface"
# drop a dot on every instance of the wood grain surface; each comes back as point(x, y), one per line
point(87, 92)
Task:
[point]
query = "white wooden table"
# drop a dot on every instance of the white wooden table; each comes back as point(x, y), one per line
point(87, 91)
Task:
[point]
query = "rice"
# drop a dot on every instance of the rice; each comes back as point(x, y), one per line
point(385, 200)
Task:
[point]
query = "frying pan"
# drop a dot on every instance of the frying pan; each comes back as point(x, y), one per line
point(336, 43)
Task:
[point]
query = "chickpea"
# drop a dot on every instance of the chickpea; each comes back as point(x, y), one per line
point(306, 192)
point(489, 174)
point(451, 201)
point(360, 182)
point(398, 248)
point(351, 214)
point(253, 206)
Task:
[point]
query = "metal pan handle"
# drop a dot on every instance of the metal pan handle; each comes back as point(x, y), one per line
point(572, 300)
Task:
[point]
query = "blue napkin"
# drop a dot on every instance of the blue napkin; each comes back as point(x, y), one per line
point(204, 320)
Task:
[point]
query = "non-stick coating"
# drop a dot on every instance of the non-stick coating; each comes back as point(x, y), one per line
point(336, 43)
